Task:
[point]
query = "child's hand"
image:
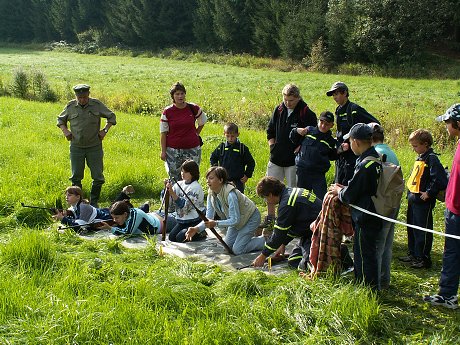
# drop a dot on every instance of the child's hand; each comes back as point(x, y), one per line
point(302, 131)
point(335, 188)
point(345, 146)
point(58, 216)
point(297, 149)
point(105, 226)
point(424, 196)
point(190, 233)
point(210, 223)
point(244, 179)
point(259, 261)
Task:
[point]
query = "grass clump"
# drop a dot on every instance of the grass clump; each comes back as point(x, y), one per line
point(28, 250)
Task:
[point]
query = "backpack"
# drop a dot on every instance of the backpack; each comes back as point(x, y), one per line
point(390, 188)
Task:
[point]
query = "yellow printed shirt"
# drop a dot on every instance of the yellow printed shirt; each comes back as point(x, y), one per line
point(428, 175)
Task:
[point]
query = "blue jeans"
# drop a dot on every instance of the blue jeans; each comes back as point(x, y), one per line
point(241, 240)
point(385, 251)
point(177, 233)
point(450, 273)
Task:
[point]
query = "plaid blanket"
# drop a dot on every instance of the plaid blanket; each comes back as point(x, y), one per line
point(332, 223)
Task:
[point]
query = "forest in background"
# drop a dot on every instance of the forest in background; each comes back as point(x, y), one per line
point(319, 33)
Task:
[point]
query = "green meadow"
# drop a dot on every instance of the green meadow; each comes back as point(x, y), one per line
point(59, 289)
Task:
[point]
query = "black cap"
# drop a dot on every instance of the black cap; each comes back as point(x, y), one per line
point(327, 116)
point(81, 88)
point(360, 131)
point(337, 85)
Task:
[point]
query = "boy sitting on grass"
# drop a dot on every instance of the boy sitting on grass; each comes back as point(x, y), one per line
point(235, 157)
point(450, 273)
point(360, 189)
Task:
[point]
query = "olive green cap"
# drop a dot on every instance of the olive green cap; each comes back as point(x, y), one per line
point(81, 88)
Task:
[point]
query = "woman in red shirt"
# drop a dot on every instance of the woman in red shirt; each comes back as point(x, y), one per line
point(180, 127)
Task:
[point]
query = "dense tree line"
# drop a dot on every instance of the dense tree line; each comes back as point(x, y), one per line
point(334, 30)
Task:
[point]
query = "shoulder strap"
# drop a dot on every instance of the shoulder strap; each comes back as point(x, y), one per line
point(192, 109)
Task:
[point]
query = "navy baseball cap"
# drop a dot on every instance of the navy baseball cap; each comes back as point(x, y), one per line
point(327, 116)
point(81, 88)
point(360, 131)
point(452, 113)
point(337, 85)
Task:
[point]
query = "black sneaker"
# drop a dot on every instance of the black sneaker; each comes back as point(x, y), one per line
point(420, 263)
point(447, 302)
point(408, 258)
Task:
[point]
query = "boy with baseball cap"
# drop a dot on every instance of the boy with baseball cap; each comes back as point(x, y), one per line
point(361, 187)
point(347, 114)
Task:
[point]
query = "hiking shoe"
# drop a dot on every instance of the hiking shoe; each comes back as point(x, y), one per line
point(408, 258)
point(420, 263)
point(447, 302)
point(129, 189)
point(267, 233)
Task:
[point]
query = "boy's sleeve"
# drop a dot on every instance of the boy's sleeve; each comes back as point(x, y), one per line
point(362, 182)
point(280, 230)
point(362, 115)
point(249, 162)
point(295, 137)
point(438, 177)
point(333, 154)
point(214, 159)
point(271, 132)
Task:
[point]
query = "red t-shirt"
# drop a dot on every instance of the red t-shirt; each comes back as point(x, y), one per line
point(181, 122)
point(453, 188)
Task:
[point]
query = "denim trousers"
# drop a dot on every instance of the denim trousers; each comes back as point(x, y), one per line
point(242, 240)
point(450, 273)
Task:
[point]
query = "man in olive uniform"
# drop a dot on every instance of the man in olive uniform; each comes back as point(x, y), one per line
point(84, 115)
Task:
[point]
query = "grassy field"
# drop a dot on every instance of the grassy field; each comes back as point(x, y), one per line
point(59, 289)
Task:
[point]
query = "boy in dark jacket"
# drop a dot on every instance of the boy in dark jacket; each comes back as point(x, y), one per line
point(428, 177)
point(317, 149)
point(235, 157)
point(297, 209)
point(360, 189)
point(347, 114)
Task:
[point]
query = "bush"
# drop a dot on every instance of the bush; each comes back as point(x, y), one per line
point(20, 85)
point(41, 88)
point(32, 86)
